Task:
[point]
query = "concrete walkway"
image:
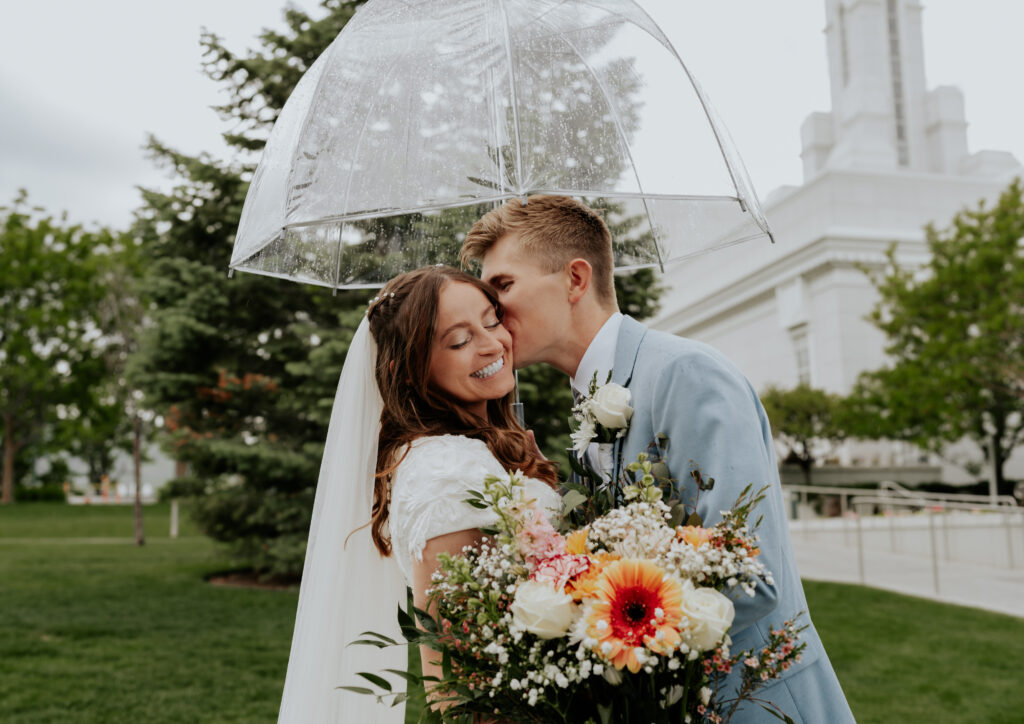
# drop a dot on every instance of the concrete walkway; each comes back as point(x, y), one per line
point(985, 576)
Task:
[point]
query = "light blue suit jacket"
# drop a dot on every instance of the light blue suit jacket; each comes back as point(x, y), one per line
point(714, 420)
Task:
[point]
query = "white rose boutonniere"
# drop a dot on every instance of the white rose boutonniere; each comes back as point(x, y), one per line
point(610, 405)
point(603, 414)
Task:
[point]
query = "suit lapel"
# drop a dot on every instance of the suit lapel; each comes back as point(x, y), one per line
point(627, 348)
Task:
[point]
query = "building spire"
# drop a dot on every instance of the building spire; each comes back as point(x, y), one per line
point(883, 116)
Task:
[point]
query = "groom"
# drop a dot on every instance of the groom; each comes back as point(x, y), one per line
point(550, 261)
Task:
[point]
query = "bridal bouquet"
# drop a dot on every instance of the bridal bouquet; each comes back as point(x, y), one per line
point(624, 619)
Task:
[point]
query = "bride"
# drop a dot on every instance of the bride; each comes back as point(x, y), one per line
point(421, 417)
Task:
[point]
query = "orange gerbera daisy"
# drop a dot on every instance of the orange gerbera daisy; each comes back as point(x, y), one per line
point(636, 606)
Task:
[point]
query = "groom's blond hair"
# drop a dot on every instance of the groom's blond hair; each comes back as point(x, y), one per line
point(553, 230)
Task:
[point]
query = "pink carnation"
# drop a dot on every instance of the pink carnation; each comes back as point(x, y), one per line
point(561, 569)
point(537, 538)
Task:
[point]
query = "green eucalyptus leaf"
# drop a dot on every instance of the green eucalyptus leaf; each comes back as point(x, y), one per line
point(572, 500)
point(375, 679)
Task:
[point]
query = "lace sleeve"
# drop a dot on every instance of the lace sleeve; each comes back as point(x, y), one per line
point(429, 490)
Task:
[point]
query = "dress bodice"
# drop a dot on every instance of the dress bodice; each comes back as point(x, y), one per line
point(429, 489)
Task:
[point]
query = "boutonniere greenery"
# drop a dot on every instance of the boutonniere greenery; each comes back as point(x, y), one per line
point(602, 414)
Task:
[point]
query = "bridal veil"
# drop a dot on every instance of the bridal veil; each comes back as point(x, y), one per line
point(347, 587)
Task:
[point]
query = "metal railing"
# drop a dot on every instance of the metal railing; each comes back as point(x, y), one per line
point(897, 493)
point(938, 507)
point(891, 488)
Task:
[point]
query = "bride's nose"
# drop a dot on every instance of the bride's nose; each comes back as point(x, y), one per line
point(491, 344)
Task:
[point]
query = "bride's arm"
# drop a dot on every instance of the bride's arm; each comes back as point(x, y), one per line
point(451, 543)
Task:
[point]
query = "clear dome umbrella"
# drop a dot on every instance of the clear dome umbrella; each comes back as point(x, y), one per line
point(424, 114)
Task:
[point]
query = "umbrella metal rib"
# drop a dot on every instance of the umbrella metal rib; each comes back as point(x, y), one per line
point(515, 100)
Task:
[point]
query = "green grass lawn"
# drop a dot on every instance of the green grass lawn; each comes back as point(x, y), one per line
point(107, 632)
point(57, 520)
point(906, 659)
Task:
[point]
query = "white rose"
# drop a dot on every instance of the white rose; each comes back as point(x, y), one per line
point(610, 405)
point(542, 610)
point(710, 615)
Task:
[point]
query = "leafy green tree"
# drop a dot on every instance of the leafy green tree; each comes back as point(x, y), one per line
point(118, 411)
point(806, 422)
point(955, 334)
point(48, 361)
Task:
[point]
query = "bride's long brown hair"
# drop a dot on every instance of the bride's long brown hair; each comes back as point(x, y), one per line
point(402, 323)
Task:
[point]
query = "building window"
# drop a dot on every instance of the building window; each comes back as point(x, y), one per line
point(802, 351)
point(844, 56)
point(896, 71)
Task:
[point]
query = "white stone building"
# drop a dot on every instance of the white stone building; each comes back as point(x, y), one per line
point(888, 158)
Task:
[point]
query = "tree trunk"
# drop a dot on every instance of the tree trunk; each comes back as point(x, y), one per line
point(7, 491)
point(806, 462)
point(140, 537)
point(805, 468)
point(995, 460)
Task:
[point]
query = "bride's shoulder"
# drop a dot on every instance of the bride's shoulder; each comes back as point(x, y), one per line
point(448, 453)
point(432, 443)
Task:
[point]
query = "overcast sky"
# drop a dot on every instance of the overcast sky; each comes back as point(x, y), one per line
point(83, 83)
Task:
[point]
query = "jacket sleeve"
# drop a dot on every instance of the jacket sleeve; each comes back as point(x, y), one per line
point(716, 423)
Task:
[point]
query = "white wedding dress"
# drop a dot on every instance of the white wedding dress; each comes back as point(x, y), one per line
point(430, 487)
point(348, 588)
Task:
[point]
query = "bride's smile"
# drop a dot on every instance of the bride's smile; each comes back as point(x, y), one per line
point(490, 370)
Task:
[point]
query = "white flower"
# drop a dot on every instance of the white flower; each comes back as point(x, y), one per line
point(542, 610)
point(705, 695)
point(610, 406)
point(673, 695)
point(710, 615)
point(582, 437)
point(612, 675)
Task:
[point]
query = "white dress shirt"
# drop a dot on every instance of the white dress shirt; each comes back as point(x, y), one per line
point(599, 358)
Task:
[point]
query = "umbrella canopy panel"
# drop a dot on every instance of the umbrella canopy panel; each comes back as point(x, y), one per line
point(422, 115)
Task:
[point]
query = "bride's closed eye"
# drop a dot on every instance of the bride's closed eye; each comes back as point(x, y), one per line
point(463, 343)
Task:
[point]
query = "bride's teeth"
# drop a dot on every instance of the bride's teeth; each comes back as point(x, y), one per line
point(491, 369)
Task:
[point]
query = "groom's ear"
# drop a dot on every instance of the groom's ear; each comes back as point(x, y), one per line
point(578, 276)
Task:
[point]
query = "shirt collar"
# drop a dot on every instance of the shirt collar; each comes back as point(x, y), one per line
point(599, 357)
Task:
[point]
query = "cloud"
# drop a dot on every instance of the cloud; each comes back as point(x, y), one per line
point(68, 163)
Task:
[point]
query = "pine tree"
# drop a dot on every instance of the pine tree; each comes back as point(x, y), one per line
point(241, 368)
